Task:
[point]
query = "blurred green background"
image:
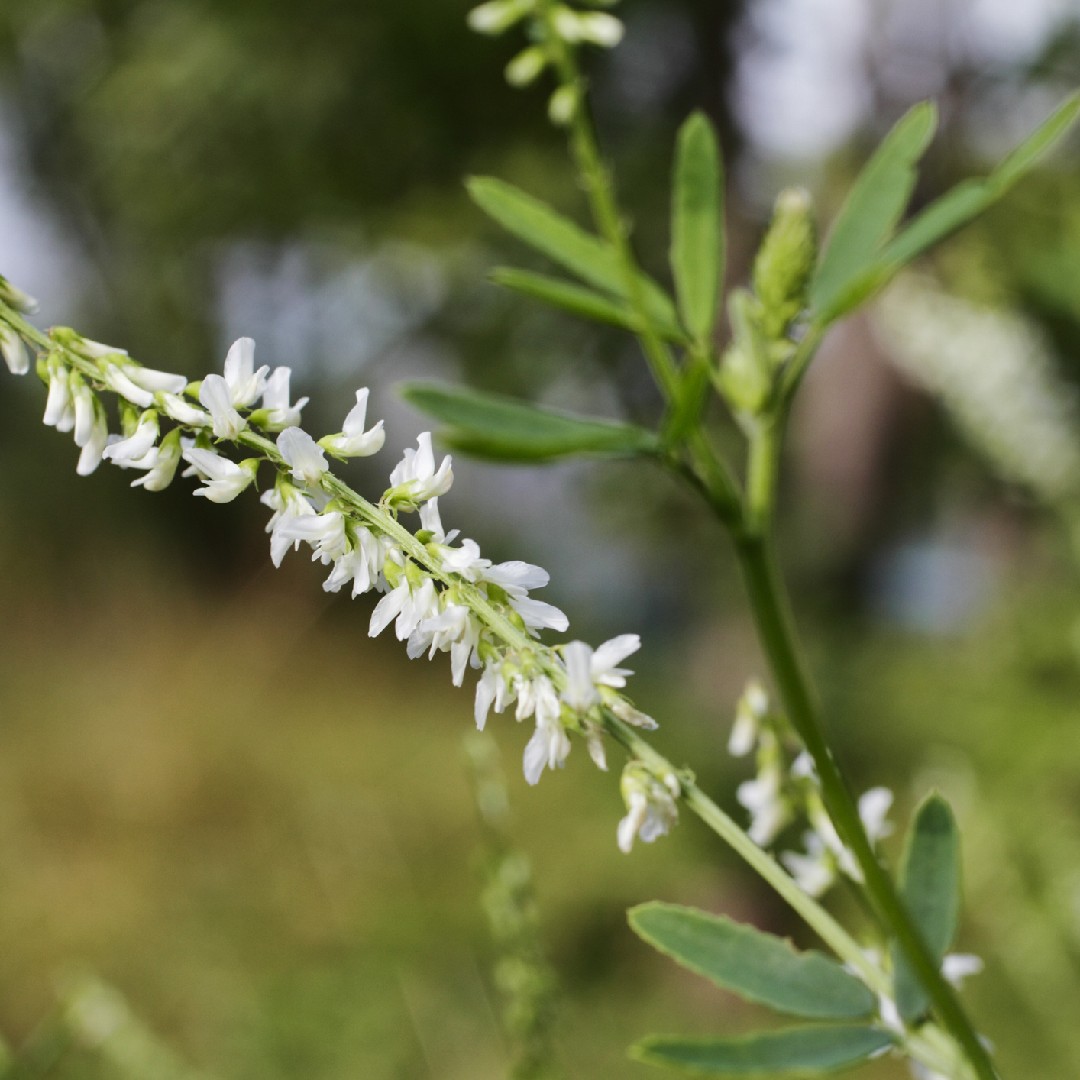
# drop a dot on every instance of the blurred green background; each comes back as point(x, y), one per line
point(255, 824)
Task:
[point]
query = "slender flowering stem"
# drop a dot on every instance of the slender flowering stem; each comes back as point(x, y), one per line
point(506, 633)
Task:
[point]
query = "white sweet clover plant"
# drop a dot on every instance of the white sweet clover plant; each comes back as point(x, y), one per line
point(891, 990)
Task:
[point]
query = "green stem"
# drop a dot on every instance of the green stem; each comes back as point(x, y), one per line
point(600, 191)
point(776, 630)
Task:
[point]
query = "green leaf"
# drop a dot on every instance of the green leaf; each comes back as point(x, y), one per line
point(872, 209)
point(930, 886)
point(578, 300)
point(697, 226)
point(755, 965)
point(588, 257)
point(952, 211)
point(502, 428)
point(974, 197)
point(801, 1051)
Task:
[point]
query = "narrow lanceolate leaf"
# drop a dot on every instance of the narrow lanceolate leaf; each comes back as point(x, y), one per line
point(952, 211)
point(588, 257)
point(802, 1051)
point(930, 886)
point(504, 429)
point(697, 226)
point(579, 300)
point(974, 197)
point(757, 966)
point(873, 208)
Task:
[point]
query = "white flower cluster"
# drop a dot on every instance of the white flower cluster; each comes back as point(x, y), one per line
point(782, 791)
point(439, 593)
point(553, 27)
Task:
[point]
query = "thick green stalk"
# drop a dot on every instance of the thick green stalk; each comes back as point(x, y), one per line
point(776, 630)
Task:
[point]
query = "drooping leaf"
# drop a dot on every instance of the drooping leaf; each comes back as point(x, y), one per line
point(578, 300)
point(588, 257)
point(697, 226)
point(504, 429)
point(930, 886)
point(757, 966)
point(952, 211)
point(873, 208)
point(802, 1051)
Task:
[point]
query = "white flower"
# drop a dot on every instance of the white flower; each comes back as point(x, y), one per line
point(216, 396)
point(454, 630)
point(223, 479)
point(96, 350)
point(97, 440)
point(59, 406)
point(288, 504)
point(244, 383)
point(650, 804)
point(874, 806)
point(406, 607)
point(959, 966)
point(769, 811)
point(303, 455)
point(275, 400)
point(549, 746)
point(134, 382)
point(586, 669)
point(515, 578)
point(353, 440)
point(161, 464)
point(325, 533)
point(15, 355)
point(753, 707)
point(815, 870)
point(628, 714)
point(183, 412)
point(84, 404)
point(133, 452)
point(538, 615)
point(415, 479)
point(361, 564)
point(493, 691)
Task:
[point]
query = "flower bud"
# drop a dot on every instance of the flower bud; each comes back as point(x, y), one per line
point(526, 67)
point(498, 16)
point(785, 262)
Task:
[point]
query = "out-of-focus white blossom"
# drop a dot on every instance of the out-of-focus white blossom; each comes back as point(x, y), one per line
point(651, 807)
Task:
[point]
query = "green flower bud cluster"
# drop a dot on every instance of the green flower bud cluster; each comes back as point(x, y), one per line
point(765, 319)
point(554, 28)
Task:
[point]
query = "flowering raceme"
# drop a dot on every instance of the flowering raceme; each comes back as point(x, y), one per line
point(439, 594)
